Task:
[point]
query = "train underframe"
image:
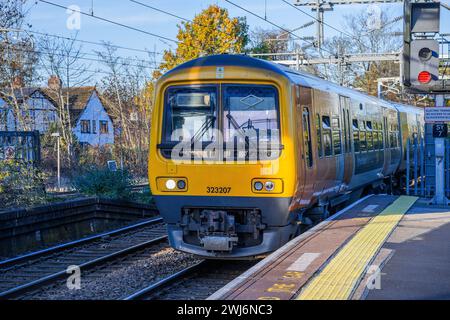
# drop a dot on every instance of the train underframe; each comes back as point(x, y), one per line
point(227, 227)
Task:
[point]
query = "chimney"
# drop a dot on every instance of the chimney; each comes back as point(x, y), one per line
point(54, 82)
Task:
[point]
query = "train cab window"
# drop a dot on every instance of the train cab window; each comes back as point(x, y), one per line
point(319, 136)
point(336, 129)
point(307, 145)
point(190, 112)
point(355, 135)
point(326, 132)
point(369, 135)
point(251, 110)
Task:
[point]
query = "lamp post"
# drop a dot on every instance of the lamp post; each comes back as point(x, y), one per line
point(58, 136)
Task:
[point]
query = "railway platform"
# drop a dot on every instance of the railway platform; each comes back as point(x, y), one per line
point(380, 247)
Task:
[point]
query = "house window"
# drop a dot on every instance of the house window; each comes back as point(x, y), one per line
point(85, 126)
point(94, 127)
point(103, 126)
point(3, 119)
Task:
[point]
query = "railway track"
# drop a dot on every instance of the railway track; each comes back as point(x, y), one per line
point(195, 282)
point(21, 276)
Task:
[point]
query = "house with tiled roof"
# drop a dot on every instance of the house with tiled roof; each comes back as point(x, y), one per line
point(89, 117)
point(40, 113)
point(90, 121)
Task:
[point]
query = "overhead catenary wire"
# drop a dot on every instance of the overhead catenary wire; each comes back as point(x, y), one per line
point(103, 44)
point(79, 57)
point(160, 10)
point(321, 21)
point(275, 25)
point(111, 21)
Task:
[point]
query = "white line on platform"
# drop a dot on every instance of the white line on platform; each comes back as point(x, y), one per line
point(370, 208)
point(303, 262)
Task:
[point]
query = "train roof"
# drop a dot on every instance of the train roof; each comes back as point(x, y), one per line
point(408, 108)
point(299, 77)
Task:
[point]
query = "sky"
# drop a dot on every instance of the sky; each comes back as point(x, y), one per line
point(50, 19)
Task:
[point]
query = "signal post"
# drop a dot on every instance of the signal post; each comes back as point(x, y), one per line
point(421, 76)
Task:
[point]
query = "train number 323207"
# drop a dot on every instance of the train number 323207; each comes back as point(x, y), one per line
point(218, 189)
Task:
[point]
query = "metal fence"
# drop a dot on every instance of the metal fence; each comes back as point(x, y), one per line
point(20, 145)
point(421, 168)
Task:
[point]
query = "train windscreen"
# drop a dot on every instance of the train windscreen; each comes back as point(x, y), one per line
point(247, 124)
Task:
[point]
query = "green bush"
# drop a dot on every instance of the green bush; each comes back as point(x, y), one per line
point(21, 184)
point(104, 183)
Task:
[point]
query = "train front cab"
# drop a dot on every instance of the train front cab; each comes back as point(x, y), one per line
point(217, 208)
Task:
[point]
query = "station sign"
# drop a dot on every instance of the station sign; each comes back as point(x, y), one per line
point(440, 130)
point(437, 114)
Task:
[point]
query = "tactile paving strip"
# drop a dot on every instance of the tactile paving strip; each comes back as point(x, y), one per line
point(340, 276)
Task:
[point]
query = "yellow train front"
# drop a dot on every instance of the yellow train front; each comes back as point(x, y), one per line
point(222, 168)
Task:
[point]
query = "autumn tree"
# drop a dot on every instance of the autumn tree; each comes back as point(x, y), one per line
point(212, 31)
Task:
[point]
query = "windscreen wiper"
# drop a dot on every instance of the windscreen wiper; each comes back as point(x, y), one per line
point(236, 126)
point(203, 129)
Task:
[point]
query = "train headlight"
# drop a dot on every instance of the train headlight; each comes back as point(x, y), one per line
point(181, 184)
point(269, 185)
point(171, 184)
point(258, 185)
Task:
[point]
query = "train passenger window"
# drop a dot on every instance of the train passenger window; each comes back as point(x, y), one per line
point(326, 131)
point(355, 135)
point(307, 137)
point(392, 139)
point(369, 135)
point(378, 140)
point(349, 147)
point(335, 126)
point(319, 136)
point(375, 140)
point(362, 141)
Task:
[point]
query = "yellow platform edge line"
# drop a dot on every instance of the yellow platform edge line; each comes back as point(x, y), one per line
point(340, 276)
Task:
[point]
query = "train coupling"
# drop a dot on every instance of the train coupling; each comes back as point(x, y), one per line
point(219, 243)
point(221, 229)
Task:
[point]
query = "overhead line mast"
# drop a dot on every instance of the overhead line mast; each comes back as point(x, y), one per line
point(320, 6)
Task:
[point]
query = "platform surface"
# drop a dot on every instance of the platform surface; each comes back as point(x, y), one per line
point(380, 247)
point(419, 267)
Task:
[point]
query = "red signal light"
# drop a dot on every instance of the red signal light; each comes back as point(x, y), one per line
point(424, 77)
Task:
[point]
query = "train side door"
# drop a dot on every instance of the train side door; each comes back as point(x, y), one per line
point(347, 159)
point(305, 110)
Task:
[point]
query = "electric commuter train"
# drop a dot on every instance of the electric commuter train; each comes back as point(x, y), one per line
point(244, 152)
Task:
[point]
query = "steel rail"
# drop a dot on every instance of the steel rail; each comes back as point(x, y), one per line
point(164, 283)
point(36, 254)
point(36, 284)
